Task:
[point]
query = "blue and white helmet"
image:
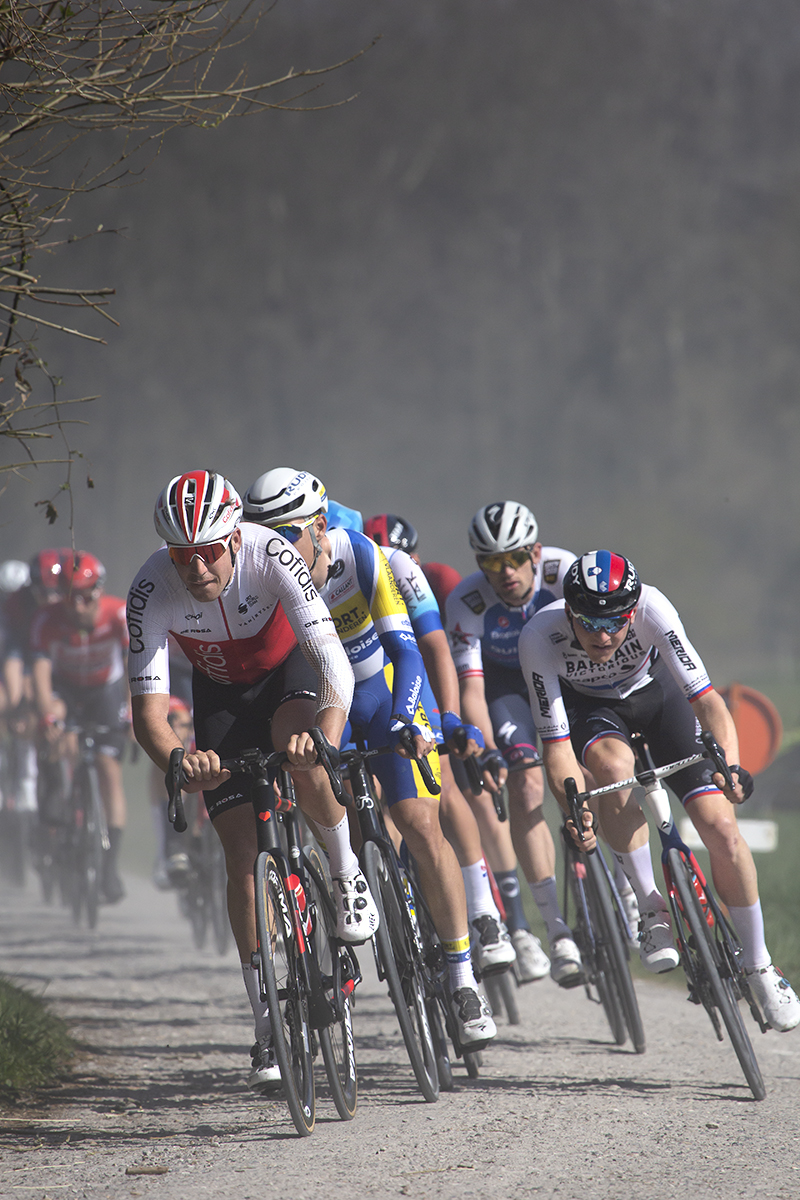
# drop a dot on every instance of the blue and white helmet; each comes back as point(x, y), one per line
point(503, 526)
point(283, 495)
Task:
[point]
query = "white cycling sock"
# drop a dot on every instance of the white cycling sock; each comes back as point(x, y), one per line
point(637, 866)
point(260, 1007)
point(749, 924)
point(337, 846)
point(480, 901)
point(545, 893)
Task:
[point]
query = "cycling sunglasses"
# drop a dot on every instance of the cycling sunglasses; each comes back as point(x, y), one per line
point(210, 553)
point(293, 533)
point(495, 563)
point(603, 624)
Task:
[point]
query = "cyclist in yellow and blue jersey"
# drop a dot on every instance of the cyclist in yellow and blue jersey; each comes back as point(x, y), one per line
point(357, 584)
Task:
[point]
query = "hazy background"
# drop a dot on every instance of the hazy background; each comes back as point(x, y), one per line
point(549, 253)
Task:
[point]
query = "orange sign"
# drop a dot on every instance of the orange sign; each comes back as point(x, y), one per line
point(758, 725)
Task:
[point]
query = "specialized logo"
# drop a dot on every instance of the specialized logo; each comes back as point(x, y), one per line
point(474, 602)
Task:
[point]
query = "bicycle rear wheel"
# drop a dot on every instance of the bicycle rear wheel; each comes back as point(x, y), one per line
point(402, 971)
point(336, 1040)
point(501, 990)
point(283, 986)
point(709, 970)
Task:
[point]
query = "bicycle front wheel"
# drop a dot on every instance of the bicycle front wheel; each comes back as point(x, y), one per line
point(402, 971)
point(336, 1040)
point(614, 950)
point(709, 969)
point(283, 986)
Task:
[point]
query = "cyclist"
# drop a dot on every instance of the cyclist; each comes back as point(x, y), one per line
point(267, 666)
point(355, 581)
point(491, 944)
point(613, 658)
point(485, 615)
point(79, 647)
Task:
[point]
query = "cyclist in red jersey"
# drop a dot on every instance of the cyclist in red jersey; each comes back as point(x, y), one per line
point(79, 647)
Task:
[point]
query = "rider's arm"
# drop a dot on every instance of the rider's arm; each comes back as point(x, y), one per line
point(42, 678)
point(158, 739)
point(712, 713)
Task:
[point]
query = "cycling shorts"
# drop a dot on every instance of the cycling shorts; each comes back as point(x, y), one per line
point(230, 717)
point(510, 713)
point(660, 712)
point(369, 720)
point(106, 704)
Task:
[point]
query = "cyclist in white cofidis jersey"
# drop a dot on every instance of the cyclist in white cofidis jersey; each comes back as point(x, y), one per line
point(610, 659)
point(357, 584)
point(485, 614)
point(268, 665)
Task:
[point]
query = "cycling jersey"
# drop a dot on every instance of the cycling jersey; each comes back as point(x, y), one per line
point(371, 618)
point(79, 657)
point(442, 580)
point(484, 629)
point(267, 607)
point(423, 611)
point(550, 654)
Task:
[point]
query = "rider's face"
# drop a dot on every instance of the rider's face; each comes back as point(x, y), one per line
point(599, 645)
point(83, 608)
point(207, 581)
point(307, 550)
point(514, 583)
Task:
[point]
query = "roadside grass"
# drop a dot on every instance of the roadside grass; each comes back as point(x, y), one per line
point(35, 1045)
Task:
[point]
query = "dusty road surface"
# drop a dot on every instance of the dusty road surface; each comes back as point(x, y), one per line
point(558, 1110)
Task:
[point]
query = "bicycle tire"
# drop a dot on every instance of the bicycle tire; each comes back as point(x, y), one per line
point(92, 843)
point(710, 959)
point(336, 1041)
point(473, 1061)
point(595, 965)
point(288, 1004)
point(402, 972)
point(616, 953)
point(444, 1067)
point(501, 990)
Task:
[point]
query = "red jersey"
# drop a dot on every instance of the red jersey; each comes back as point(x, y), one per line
point(82, 658)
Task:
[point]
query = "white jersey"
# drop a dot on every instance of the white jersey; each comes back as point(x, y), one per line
point(550, 654)
point(482, 628)
point(269, 605)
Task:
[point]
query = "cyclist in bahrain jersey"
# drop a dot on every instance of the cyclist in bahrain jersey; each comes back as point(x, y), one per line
point(356, 583)
point(79, 648)
point(611, 659)
point(238, 601)
point(484, 616)
point(491, 944)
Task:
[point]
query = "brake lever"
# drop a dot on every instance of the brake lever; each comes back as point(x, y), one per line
point(174, 779)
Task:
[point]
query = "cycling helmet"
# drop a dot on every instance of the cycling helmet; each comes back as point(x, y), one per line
point(81, 573)
point(389, 530)
point(283, 495)
point(602, 584)
point(46, 568)
point(196, 509)
point(14, 575)
point(502, 526)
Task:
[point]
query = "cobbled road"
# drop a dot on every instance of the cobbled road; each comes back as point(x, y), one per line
point(157, 1106)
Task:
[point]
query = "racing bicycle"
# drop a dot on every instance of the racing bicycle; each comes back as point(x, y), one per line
point(306, 976)
point(710, 950)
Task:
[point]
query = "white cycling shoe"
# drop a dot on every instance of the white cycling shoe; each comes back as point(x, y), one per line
point(566, 968)
point(356, 915)
point(492, 948)
point(532, 962)
point(265, 1074)
point(473, 1018)
point(776, 996)
point(656, 946)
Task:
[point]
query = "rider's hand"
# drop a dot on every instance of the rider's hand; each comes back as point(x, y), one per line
point(301, 751)
point(743, 782)
point(423, 741)
point(202, 771)
point(589, 828)
point(492, 761)
point(462, 739)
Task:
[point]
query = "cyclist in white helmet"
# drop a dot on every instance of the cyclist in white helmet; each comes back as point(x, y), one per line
point(485, 614)
point(268, 665)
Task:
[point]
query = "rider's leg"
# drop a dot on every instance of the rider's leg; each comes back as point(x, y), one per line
point(461, 830)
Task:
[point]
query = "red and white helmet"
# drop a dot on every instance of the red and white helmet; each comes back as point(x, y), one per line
point(503, 526)
point(284, 495)
point(46, 569)
point(196, 509)
point(81, 572)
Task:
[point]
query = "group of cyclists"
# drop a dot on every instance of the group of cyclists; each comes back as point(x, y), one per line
point(292, 612)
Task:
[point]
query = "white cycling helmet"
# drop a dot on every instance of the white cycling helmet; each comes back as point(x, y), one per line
point(502, 526)
point(283, 495)
point(14, 575)
point(196, 509)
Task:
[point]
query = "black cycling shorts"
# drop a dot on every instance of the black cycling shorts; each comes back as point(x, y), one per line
point(105, 704)
point(659, 711)
point(231, 717)
point(510, 713)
